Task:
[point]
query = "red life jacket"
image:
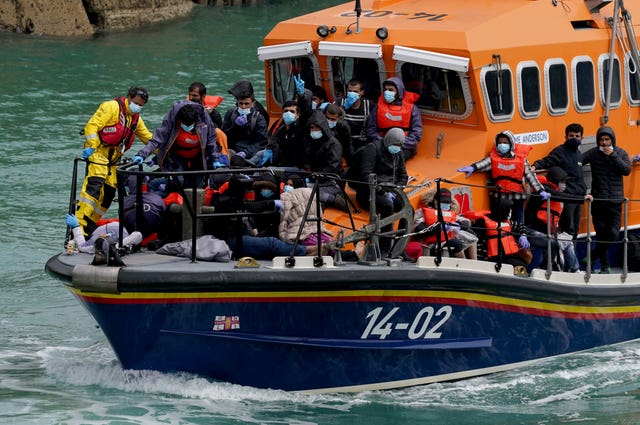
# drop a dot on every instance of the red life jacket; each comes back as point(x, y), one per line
point(390, 115)
point(508, 172)
point(431, 216)
point(120, 134)
point(555, 207)
point(187, 145)
point(507, 240)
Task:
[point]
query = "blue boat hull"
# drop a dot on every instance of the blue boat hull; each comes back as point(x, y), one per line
point(351, 331)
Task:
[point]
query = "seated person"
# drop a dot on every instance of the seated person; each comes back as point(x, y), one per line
point(495, 231)
point(463, 243)
point(538, 223)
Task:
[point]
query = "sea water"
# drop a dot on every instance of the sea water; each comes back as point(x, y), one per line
point(56, 367)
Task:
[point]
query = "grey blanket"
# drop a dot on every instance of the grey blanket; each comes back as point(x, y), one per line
point(208, 248)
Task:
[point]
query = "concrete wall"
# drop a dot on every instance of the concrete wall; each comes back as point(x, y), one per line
point(72, 18)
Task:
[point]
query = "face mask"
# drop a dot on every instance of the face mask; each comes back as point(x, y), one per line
point(503, 148)
point(353, 96)
point(187, 128)
point(134, 108)
point(601, 148)
point(266, 193)
point(315, 135)
point(394, 149)
point(332, 124)
point(289, 117)
point(574, 142)
point(562, 187)
point(445, 206)
point(243, 111)
point(389, 96)
point(314, 105)
point(287, 188)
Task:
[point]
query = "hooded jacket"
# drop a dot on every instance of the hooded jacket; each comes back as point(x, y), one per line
point(374, 158)
point(165, 136)
point(607, 170)
point(324, 154)
point(414, 132)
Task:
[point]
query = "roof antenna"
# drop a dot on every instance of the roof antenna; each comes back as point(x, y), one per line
point(358, 11)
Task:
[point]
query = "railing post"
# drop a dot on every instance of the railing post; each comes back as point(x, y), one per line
point(588, 270)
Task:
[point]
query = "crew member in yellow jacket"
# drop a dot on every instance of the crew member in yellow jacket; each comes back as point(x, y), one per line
point(109, 133)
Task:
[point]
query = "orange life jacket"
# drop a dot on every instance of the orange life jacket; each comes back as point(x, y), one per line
point(506, 239)
point(187, 145)
point(555, 207)
point(508, 172)
point(431, 217)
point(390, 115)
point(120, 134)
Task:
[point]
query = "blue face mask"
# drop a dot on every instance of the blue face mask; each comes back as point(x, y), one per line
point(243, 111)
point(187, 128)
point(332, 124)
point(134, 108)
point(287, 188)
point(315, 135)
point(389, 96)
point(266, 193)
point(445, 206)
point(503, 148)
point(289, 117)
point(394, 149)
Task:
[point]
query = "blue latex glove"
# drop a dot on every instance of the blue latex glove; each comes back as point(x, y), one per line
point(71, 221)
point(544, 195)
point(278, 204)
point(241, 120)
point(451, 228)
point(324, 105)
point(138, 159)
point(635, 158)
point(217, 164)
point(524, 242)
point(352, 97)
point(468, 169)
point(87, 152)
point(242, 155)
point(299, 82)
point(390, 196)
point(267, 156)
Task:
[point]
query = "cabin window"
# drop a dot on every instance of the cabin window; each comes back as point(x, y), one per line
point(529, 93)
point(283, 70)
point(441, 90)
point(603, 77)
point(497, 89)
point(584, 84)
point(368, 71)
point(556, 86)
point(632, 74)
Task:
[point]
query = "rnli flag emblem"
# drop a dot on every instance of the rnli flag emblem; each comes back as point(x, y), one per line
point(225, 323)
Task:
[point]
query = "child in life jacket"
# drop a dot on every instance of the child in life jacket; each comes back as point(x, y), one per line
point(456, 237)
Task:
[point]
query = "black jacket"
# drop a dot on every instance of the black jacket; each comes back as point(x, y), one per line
point(569, 157)
point(607, 171)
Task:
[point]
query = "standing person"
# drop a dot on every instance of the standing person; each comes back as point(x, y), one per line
point(186, 140)
point(508, 165)
point(396, 108)
point(609, 163)
point(198, 93)
point(569, 158)
point(325, 156)
point(384, 159)
point(356, 113)
point(109, 133)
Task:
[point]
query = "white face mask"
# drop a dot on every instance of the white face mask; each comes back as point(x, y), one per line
point(243, 111)
point(562, 187)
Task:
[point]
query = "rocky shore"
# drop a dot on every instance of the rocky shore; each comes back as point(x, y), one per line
point(80, 18)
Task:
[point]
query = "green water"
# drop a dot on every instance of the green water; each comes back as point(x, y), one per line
point(57, 368)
